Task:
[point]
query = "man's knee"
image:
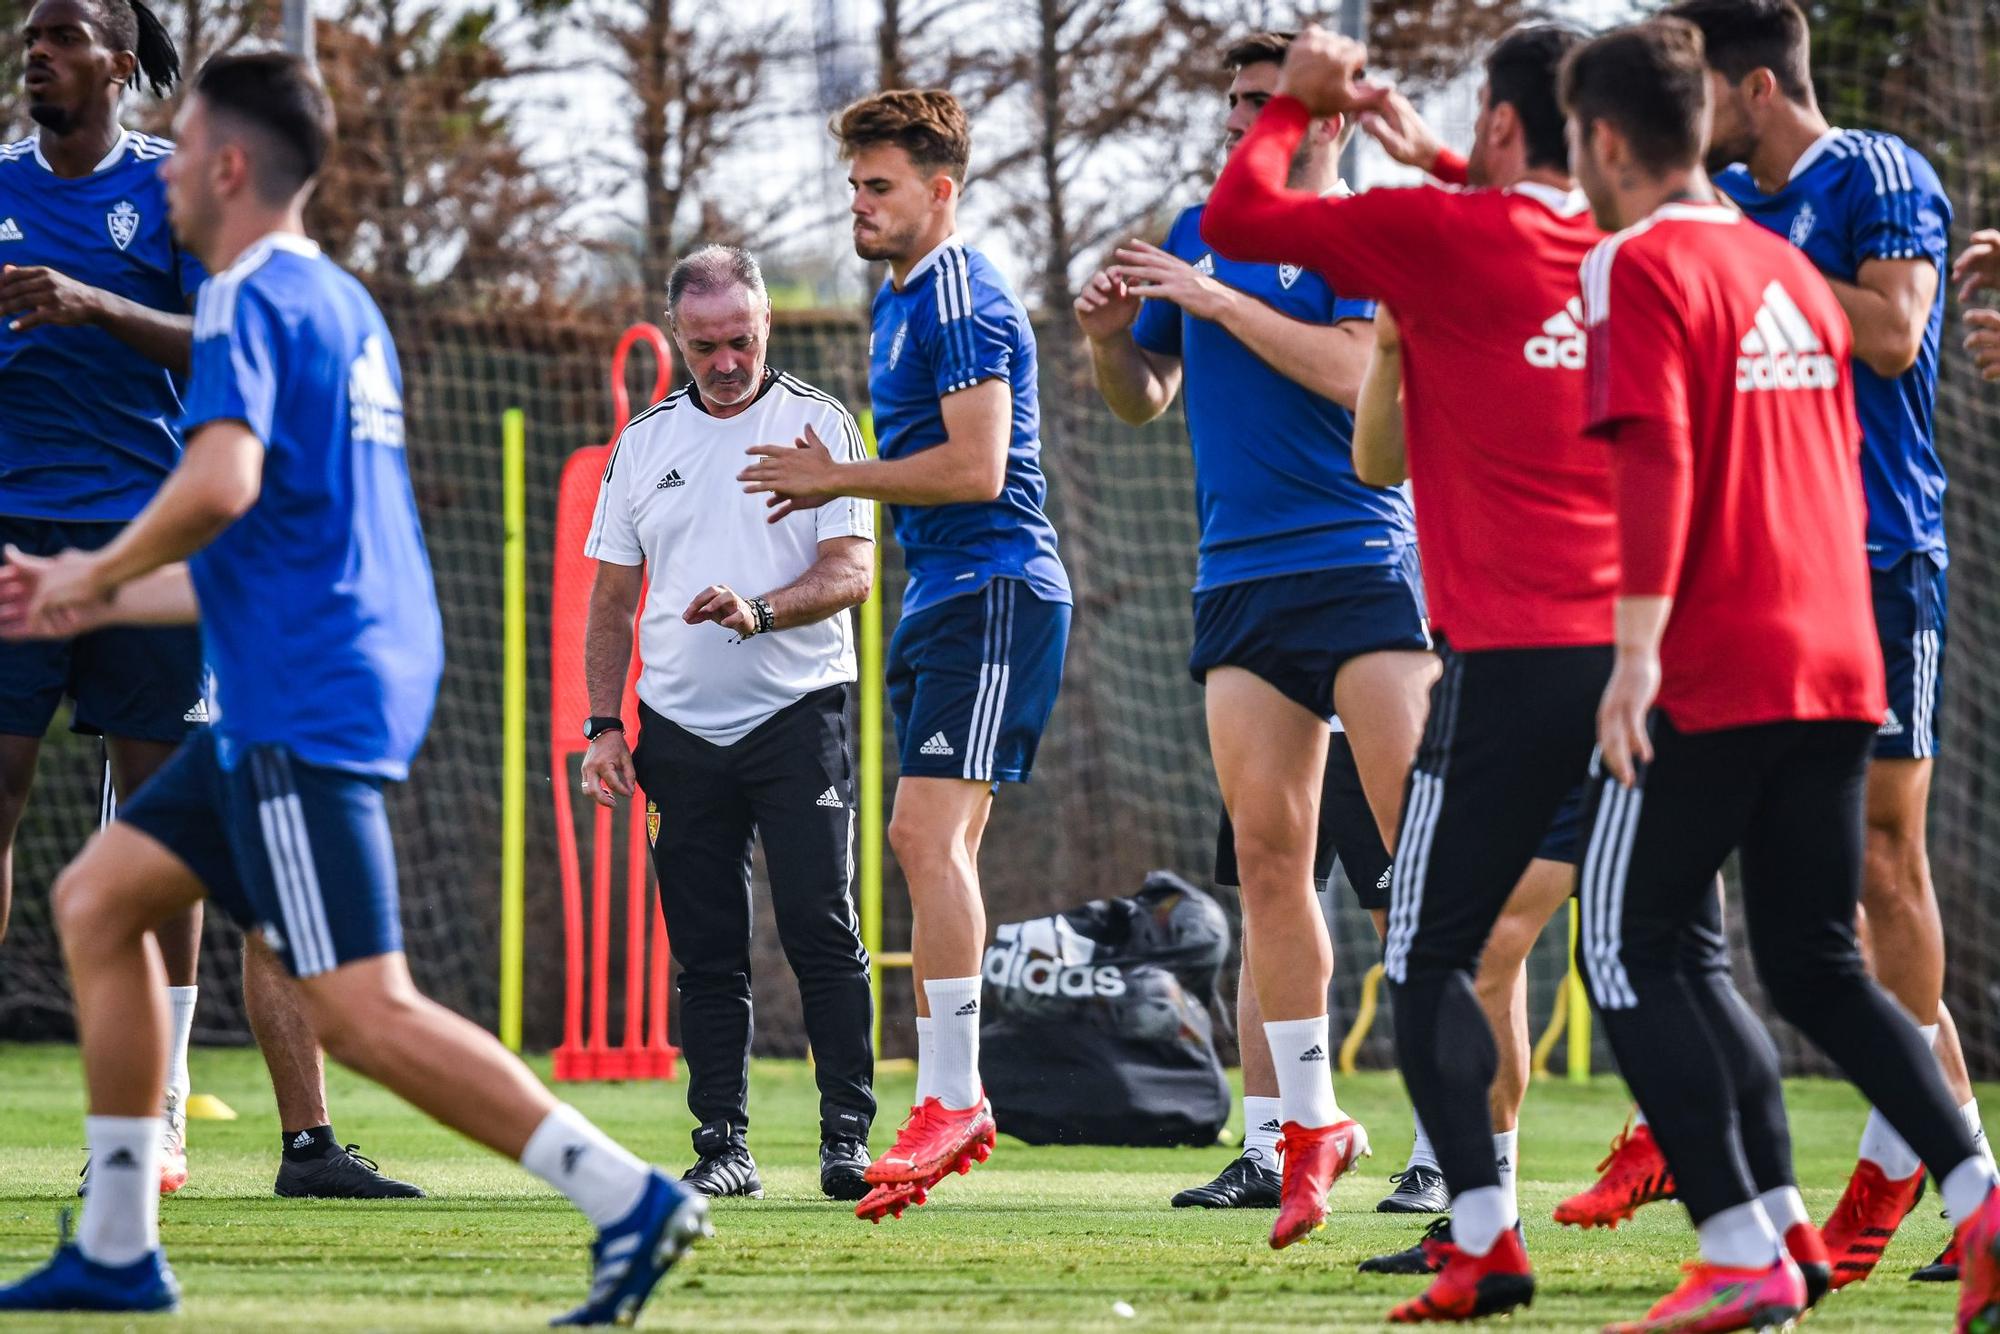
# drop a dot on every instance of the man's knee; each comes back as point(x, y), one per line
point(88, 910)
point(360, 1028)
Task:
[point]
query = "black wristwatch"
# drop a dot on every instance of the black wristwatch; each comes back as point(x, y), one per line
point(596, 726)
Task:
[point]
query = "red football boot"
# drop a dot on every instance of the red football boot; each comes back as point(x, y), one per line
point(1634, 1173)
point(1808, 1251)
point(936, 1140)
point(889, 1201)
point(1870, 1210)
point(1314, 1158)
point(1713, 1299)
point(1978, 1239)
point(1471, 1286)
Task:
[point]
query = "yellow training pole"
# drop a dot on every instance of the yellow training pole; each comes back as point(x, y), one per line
point(1579, 1007)
point(869, 799)
point(514, 719)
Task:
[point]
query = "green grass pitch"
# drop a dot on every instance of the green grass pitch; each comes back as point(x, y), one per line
point(1038, 1239)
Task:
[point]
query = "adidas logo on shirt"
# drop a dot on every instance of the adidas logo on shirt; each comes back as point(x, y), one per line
point(1782, 351)
point(10, 230)
point(1560, 344)
point(1313, 1053)
point(672, 479)
point(969, 1008)
point(937, 745)
point(830, 799)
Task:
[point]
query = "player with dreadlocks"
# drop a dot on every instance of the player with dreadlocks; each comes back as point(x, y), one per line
point(95, 337)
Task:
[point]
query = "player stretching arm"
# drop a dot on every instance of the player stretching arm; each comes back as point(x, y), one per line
point(324, 637)
point(977, 655)
point(1746, 690)
point(1307, 601)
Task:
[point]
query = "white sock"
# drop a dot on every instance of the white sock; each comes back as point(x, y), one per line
point(1740, 1237)
point(1964, 1188)
point(926, 1056)
point(584, 1163)
point(955, 1030)
point(1261, 1118)
point(1478, 1217)
point(180, 1000)
point(121, 1214)
point(1978, 1128)
point(1421, 1153)
point(1638, 1116)
point(1881, 1145)
point(1786, 1209)
point(1506, 1151)
point(1305, 1070)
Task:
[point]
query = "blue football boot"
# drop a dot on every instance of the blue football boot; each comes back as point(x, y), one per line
point(634, 1254)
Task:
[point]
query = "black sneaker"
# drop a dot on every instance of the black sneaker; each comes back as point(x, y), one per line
point(841, 1163)
point(1247, 1183)
point(1419, 1190)
point(1418, 1259)
point(340, 1174)
point(1944, 1269)
point(723, 1165)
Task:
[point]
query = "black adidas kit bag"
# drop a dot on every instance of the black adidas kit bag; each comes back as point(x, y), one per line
point(1096, 1025)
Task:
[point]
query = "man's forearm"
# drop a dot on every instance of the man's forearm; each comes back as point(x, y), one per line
point(945, 474)
point(1328, 359)
point(159, 336)
point(1380, 458)
point(1131, 386)
point(829, 587)
point(1254, 216)
point(607, 657)
point(179, 521)
point(164, 597)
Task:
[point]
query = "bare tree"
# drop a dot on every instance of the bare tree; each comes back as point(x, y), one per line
point(699, 80)
point(430, 189)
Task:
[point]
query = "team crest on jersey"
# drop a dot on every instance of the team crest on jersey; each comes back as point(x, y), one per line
point(1288, 274)
point(1206, 264)
point(896, 343)
point(1802, 225)
point(123, 222)
point(652, 823)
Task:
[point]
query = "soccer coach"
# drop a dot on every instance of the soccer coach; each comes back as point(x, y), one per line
point(748, 665)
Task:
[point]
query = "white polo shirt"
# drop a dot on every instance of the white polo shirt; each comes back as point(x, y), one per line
point(670, 500)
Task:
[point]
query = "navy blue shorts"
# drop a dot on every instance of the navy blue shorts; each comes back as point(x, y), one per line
point(141, 682)
point(296, 851)
point(1296, 631)
point(1559, 844)
point(1909, 618)
point(972, 681)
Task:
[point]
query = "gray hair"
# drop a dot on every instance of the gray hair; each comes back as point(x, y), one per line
point(712, 269)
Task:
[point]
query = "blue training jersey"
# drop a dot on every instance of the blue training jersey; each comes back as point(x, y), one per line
point(88, 430)
point(954, 324)
point(1273, 462)
point(1856, 196)
point(317, 608)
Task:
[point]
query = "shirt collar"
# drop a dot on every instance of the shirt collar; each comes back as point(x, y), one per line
point(110, 159)
point(289, 242)
point(1562, 203)
point(1813, 152)
point(930, 261)
point(1691, 211)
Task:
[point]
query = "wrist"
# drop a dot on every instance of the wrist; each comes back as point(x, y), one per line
point(762, 619)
